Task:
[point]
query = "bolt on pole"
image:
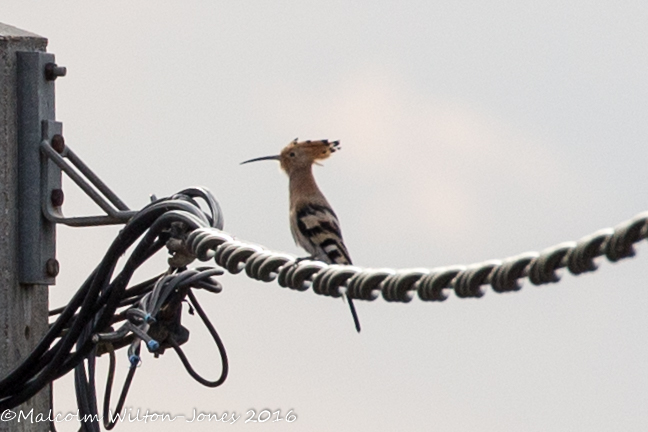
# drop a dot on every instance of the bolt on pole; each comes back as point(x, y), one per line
point(27, 242)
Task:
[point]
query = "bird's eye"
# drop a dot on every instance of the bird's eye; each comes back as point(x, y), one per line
point(292, 154)
point(324, 152)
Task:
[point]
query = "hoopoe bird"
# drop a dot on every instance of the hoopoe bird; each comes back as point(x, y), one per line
point(313, 223)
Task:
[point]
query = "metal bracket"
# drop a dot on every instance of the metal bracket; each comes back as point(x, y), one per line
point(42, 157)
point(35, 94)
point(57, 155)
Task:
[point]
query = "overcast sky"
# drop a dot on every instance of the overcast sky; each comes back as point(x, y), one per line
point(470, 131)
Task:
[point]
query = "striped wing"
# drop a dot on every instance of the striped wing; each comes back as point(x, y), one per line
point(317, 230)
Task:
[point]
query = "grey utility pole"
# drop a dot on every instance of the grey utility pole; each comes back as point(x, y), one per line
point(23, 301)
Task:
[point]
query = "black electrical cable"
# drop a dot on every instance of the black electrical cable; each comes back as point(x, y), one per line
point(219, 344)
point(94, 305)
point(112, 298)
point(110, 417)
point(131, 292)
point(187, 278)
point(86, 394)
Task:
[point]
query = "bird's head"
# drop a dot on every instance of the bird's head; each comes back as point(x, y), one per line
point(303, 154)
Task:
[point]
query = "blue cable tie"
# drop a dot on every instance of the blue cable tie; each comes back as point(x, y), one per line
point(134, 360)
point(153, 345)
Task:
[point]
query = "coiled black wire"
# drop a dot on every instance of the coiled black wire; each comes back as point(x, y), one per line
point(431, 284)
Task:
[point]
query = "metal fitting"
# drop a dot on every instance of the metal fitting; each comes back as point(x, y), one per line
point(58, 143)
point(53, 71)
point(52, 267)
point(57, 196)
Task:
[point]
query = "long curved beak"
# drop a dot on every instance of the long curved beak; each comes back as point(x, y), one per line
point(277, 157)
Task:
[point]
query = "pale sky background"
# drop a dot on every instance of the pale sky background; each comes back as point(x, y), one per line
point(470, 131)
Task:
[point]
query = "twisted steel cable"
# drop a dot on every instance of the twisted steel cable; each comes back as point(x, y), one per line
point(430, 284)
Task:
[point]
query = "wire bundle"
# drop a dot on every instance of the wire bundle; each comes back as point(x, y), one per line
point(150, 311)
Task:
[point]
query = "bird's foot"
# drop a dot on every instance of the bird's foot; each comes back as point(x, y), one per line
point(300, 259)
